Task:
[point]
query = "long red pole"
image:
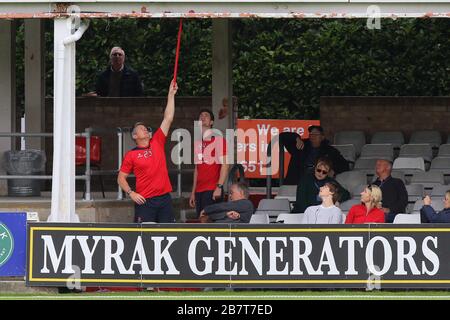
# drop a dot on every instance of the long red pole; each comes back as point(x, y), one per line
point(177, 53)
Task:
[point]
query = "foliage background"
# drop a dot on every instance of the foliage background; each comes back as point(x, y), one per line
point(281, 67)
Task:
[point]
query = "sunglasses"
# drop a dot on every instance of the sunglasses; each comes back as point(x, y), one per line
point(321, 171)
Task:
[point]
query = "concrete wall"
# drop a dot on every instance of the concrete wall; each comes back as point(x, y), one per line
point(100, 211)
point(372, 114)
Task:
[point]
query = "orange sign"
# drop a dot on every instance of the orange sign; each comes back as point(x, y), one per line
point(253, 137)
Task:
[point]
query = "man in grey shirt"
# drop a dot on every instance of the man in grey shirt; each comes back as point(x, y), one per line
point(327, 212)
point(238, 210)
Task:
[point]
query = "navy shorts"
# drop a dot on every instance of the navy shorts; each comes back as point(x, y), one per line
point(202, 200)
point(157, 209)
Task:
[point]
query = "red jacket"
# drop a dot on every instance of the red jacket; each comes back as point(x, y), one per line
point(358, 214)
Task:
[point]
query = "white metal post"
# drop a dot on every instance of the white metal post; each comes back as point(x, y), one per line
point(63, 183)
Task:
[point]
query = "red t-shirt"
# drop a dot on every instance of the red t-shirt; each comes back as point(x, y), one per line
point(149, 166)
point(358, 214)
point(207, 154)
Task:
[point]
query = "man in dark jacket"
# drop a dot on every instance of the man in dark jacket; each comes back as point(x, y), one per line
point(309, 185)
point(119, 80)
point(304, 153)
point(238, 210)
point(395, 196)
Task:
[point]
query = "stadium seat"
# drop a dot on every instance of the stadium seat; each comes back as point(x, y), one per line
point(287, 192)
point(403, 218)
point(409, 166)
point(444, 150)
point(350, 179)
point(348, 151)
point(346, 205)
point(431, 137)
point(95, 150)
point(395, 138)
point(399, 175)
point(415, 192)
point(274, 205)
point(290, 218)
point(441, 164)
point(417, 150)
point(439, 190)
point(366, 166)
point(428, 179)
point(357, 138)
point(259, 218)
point(378, 151)
point(356, 191)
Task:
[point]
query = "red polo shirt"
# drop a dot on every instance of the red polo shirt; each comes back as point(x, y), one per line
point(358, 214)
point(207, 155)
point(149, 166)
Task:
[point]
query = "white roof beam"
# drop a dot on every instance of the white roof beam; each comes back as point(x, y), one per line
point(227, 9)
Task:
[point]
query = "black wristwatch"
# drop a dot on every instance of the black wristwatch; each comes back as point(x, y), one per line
point(219, 186)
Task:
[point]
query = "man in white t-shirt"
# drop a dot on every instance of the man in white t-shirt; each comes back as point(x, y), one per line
point(326, 212)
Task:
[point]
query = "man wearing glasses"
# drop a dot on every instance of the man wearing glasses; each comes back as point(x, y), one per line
point(304, 153)
point(118, 80)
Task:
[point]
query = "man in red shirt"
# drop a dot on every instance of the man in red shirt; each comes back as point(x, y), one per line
point(210, 165)
point(148, 163)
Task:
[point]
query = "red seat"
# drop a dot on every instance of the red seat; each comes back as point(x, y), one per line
point(80, 150)
point(96, 154)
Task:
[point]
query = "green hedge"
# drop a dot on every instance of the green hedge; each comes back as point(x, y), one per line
point(281, 67)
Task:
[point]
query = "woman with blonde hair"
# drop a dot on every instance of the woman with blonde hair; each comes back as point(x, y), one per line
point(369, 211)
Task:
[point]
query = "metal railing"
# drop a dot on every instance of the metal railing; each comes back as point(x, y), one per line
point(269, 165)
point(86, 176)
point(88, 172)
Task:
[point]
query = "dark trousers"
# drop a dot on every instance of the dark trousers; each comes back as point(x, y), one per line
point(157, 209)
point(389, 217)
point(202, 200)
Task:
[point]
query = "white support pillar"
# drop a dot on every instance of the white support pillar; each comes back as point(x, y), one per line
point(34, 81)
point(7, 90)
point(63, 182)
point(222, 87)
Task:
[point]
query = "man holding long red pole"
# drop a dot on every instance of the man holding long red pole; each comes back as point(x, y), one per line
point(148, 163)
